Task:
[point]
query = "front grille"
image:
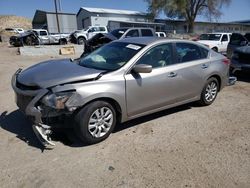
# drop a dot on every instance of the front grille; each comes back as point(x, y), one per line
point(25, 87)
point(23, 101)
point(244, 58)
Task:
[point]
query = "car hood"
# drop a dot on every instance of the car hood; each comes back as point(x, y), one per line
point(243, 49)
point(56, 72)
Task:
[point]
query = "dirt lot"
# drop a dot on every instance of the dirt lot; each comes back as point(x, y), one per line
point(188, 146)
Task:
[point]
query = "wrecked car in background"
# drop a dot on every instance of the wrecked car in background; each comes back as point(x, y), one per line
point(28, 38)
point(120, 81)
point(38, 37)
point(81, 36)
point(238, 51)
point(102, 38)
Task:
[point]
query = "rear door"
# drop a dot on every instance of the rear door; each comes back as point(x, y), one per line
point(191, 70)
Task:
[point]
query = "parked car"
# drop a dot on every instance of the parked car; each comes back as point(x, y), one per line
point(216, 41)
point(237, 40)
point(238, 51)
point(38, 36)
point(81, 36)
point(160, 34)
point(118, 82)
point(28, 38)
point(117, 34)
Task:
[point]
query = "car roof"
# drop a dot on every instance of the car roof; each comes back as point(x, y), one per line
point(151, 40)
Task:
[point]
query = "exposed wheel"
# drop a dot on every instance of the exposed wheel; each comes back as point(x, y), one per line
point(62, 42)
point(209, 92)
point(215, 49)
point(95, 122)
point(81, 40)
point(29, 41)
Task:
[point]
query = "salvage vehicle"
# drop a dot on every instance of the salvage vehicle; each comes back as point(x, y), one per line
point(238, 51)
point(81, 36)
point(38, 36)
point(100, 39)
point(28, 38)
point(216, 41)
point(120, 81)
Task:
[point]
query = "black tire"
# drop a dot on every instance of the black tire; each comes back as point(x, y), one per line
point(29, 41)
point(82, 122)
point(215, 49)
point(62, 42)
point(208, 95)
point(81, 41)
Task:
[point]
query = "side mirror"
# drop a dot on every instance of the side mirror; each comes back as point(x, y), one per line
point(243, 43)
point(142, 68)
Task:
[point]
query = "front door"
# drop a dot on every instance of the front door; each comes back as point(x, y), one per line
point(148, 91)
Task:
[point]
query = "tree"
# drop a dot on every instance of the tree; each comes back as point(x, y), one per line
point(187, 9)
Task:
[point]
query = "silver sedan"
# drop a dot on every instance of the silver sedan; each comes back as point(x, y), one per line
point(118, 82)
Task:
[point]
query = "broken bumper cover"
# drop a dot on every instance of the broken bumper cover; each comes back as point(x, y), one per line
point(30, 109)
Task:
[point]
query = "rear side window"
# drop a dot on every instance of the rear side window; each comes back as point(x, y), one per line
point(133, 33)
point(188, 52)
point(236, 39)
point(146, 33)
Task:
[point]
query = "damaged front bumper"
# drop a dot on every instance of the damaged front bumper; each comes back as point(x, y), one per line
point(26, 100)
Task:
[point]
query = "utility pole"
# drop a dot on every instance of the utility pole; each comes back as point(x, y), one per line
point(57, 19)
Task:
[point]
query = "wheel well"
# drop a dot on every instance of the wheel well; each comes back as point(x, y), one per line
point(217, 78)
point(111, 101)
point(215, 47)
point(81, 37)
point(63, 39)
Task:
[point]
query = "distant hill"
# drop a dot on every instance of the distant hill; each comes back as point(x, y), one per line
point(14, 21)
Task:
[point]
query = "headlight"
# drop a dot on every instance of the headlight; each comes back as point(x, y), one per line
point(56, 100)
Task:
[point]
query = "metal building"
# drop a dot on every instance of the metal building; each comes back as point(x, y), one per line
point(47, 20)
point(101, 17)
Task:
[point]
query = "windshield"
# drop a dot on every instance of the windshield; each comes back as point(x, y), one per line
point(111, 56)
point(118, 32)
point(210, 37)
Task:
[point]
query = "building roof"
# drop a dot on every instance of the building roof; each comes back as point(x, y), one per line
point(48, 12)
point(111, 11)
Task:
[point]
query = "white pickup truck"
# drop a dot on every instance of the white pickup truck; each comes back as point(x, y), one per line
point(216, 41)
point(46, 38)
point(81, 36)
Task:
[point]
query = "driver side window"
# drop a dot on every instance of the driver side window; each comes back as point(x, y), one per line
point(159, 56)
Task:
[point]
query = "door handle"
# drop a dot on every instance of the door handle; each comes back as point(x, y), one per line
point(172, 74)
point(204, 66)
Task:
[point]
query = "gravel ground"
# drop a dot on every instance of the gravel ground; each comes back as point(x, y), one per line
point(187, 146)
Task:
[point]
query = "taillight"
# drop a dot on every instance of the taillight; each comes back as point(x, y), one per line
point(226, 61)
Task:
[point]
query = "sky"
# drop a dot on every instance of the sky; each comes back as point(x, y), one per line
point(237, 10)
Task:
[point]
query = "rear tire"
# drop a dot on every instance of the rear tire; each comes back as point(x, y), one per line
point(62, 42)
point(95, 122)
point(209, 92)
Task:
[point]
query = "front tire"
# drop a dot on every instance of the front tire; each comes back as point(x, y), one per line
point(209, 92)
point(81, 41)
point(95, 122)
